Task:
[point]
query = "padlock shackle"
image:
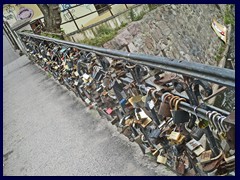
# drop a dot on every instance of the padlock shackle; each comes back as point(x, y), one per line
point(172, 101)
point(165, 98)
point(178, 101)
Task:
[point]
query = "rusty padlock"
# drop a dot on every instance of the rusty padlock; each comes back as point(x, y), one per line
point(180, 167)
point(164, 109)
point(213, 164)
point(179, 116)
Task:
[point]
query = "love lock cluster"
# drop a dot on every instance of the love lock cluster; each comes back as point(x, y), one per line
point(163, 112)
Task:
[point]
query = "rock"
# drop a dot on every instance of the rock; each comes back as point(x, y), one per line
point(158, 17)
point(174, 6)
point(132, 48)
point(150, 43)
point(134, 28)
point(144, 27)
point(169, 54)
point(157, 35)
point(174, 13)
point(138, 41)
point(162, 46)
point(165, 29)
point(124, 38)
point(108, 45)
point(182, 53)
point(187, 57)
point(115, 44)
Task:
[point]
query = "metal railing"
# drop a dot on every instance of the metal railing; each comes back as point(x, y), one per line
point(222, 76)
point(217, 124)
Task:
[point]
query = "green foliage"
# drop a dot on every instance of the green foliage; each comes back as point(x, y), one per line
point(49, 75)
point(136, 17)
point(219, 54)
point(152, 6)
point(228, 17)
point(104, 34)
point(55, 36)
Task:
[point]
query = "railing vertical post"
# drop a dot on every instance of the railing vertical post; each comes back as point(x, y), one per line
point(73, 19)
point(9, 37)
point(109, 8)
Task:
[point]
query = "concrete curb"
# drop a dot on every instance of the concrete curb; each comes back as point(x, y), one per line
point(15, 65)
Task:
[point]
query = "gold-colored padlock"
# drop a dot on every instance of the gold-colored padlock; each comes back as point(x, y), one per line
point(156, 152)
point(146, 122)
point(174, 136)
point(161, 159)
point(135, 99)
point(181, 139)
point(198, 151)
point(76, 73)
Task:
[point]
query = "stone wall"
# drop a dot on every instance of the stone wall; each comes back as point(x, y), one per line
point(174, 31)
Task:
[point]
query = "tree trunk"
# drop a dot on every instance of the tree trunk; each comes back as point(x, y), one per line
point(52, 17)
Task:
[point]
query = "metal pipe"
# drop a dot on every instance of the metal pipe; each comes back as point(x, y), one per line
point(213, 74)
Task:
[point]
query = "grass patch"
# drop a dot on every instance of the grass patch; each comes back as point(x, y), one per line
point(136, 17)
point(49, 75)
point(219, 54)
point(55, 36)
point(228, 16)
point(152, 6)
point(104, 34)
point(228, 19)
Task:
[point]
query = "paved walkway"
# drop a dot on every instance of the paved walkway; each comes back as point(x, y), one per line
point(48, 131)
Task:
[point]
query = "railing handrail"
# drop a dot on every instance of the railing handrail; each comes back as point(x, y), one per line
point(221, 76)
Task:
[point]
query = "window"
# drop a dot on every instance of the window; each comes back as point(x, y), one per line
point(101, 8)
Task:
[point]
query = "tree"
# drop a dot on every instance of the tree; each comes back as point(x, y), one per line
point(52, 17)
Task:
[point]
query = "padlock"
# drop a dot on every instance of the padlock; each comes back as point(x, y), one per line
point(165, 78)
point(197, 133)
point(164, 109)
point(174, 136)
point(190, 172)
point(87, 101)
point(146, 122)
point(114, 120)
point(180, 167)
point(142, 117)
point(76, 74)
point(199, 150)
point(134, 100)
point(156, 152)
point(213, 164)
point(229, 159)
point(206, 157)
point(109, 111)
point(161, 159)
point(193, 144)
point(181, 139)
point(179, 116)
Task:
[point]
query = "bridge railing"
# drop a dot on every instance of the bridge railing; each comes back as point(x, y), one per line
point(142, 92)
